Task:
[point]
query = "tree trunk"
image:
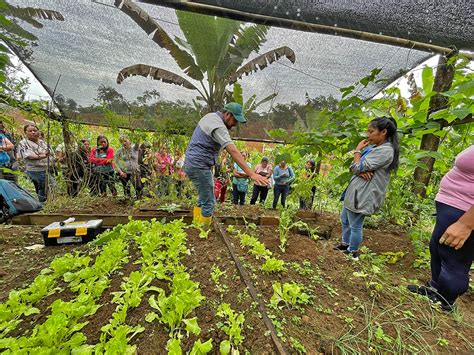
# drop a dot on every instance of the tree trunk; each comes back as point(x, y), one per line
point(430, 142)
point(69, 152)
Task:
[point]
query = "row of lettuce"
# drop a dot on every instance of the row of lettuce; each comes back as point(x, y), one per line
point(162, 249)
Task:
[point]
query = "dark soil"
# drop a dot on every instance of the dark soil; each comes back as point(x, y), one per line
point(247, 211)
point(341, 302)
point(330, 316)
point(19, 266)
point(204, 254)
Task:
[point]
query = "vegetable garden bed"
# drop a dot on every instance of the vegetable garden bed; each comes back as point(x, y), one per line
point(318, 300)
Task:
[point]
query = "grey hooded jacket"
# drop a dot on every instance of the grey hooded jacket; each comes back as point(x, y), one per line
point(364, 196)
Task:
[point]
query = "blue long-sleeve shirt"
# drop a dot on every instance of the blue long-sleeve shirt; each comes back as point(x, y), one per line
point(283, 180)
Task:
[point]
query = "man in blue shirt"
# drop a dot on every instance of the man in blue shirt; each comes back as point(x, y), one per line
point(210, 136)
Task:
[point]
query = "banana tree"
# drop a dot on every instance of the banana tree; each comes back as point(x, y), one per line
point(212, 54)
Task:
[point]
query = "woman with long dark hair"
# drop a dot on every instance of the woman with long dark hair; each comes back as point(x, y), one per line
point(103, 172)
point(375, 158)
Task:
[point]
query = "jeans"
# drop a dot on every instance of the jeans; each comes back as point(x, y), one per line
point(280, 190)
point(352, 227)
point(133, 179)
point(39, 180)
point(259, 190)
point(449, 267)
point(203, 180)
point(238, 197)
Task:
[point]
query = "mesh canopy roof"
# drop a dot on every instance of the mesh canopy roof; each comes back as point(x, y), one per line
point(95, 41)
point(444, 23)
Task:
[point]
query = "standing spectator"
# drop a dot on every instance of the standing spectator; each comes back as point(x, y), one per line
point(264, 169)
point(178, 172)
point(126, 160)
point(145, 161)
point(12, 164)
point(283, 175)
point(163, 169)
point(5, 161)
point(372, 168)
point(103, 173)
point(452, 241)
point(221, 178)
point(306, 202)
point(240, 182)
point(35, 153)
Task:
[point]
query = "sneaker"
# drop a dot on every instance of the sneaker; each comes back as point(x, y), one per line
point(425, 290)
point(432, 294)
point(354, 255)
point(446, 306)
point(341, 247)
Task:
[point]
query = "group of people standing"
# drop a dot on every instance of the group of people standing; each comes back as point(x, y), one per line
point(132, 165)
point(280, 179)
point(97, 168)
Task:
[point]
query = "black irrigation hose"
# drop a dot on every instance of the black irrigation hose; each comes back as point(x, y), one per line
point(253, 292)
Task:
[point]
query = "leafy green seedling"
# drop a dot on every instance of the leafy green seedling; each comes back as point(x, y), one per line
point(290, 293)
point(232, 325)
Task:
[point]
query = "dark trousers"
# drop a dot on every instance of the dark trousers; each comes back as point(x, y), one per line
point(100, 181)
point(76, 180)
point(238, 197)
point(132, 179)
point(449, 267)
point(307, 204)
point(179, 184)
point(259, 190)
point(280, 190)
point(163, 185)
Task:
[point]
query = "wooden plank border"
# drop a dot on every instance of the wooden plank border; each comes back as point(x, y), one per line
point(43, 219)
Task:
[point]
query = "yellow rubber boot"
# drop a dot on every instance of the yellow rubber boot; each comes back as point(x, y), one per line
point(206, 222)
point(197, 215)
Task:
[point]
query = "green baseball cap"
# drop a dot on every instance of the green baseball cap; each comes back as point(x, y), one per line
point(235, 109)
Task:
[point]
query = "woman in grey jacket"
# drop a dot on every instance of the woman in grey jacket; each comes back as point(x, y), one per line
point(374, 160)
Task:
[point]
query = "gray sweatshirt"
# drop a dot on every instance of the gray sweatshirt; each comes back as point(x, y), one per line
point(127, 159)
point(364, 196)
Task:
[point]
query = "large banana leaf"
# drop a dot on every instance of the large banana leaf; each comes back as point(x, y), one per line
point(208, 36)
point(262, 61)
point(184, 60)
point(247, 40)
point(155, 73)
point(27, 14)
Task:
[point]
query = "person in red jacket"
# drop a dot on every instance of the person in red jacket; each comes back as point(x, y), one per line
point(103, 170)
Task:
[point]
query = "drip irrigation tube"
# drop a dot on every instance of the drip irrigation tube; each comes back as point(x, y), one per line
point(245, 276)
